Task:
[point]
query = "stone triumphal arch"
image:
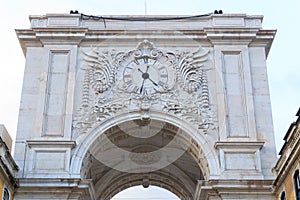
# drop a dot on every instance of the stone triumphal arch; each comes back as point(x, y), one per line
point(113, 102)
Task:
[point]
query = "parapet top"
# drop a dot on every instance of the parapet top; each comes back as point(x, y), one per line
point(146, 22)
point(86, 30)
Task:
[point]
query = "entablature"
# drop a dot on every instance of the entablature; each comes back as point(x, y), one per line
point(210, 29)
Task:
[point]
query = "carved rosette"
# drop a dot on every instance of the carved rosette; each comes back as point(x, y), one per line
point(103, 97)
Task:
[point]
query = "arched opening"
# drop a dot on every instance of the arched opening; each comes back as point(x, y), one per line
point(141, 193)
point(282, 196)
point(5, 194)
point(134, 152)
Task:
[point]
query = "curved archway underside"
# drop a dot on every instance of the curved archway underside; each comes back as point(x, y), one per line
point(179, 177)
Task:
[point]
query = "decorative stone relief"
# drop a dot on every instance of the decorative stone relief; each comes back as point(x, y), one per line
point(145, 79)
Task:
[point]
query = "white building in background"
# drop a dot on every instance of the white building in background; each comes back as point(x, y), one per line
point(116, 101)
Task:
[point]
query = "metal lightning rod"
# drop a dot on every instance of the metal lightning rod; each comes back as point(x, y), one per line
point(145, 7)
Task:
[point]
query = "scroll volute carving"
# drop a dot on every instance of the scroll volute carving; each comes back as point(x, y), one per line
point(190, 67)
point(103, 66)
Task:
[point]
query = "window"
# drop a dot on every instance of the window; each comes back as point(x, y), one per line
point(297, 184)
point(282, 196)
point(5, 194)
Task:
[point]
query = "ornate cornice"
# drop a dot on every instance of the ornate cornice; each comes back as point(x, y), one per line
point(210, 30)
point(7, 164)
point(39, 37)
point(289, 155)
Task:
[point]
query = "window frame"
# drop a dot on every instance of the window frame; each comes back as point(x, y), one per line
point(5, 191)
point(282, 195)
point(296, 181)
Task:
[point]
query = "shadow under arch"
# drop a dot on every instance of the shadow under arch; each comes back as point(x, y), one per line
point(199, 152)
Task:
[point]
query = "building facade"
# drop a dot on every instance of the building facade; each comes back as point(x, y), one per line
point(8, 168)
point(287, 182)
point(116, 101)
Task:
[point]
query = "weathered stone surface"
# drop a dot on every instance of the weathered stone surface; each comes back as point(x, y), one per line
point(181, 104)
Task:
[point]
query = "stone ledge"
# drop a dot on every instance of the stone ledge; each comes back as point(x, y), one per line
point(52, 143)
point(248, 189)
point(255, 145)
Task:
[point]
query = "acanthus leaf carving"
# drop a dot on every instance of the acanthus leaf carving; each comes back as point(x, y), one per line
point(105, 108)
point(103, 66)
point(189, 67)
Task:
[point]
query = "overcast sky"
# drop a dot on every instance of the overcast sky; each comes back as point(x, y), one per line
point(283, 63)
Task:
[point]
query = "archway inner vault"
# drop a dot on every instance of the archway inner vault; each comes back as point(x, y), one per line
point(141, 152)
